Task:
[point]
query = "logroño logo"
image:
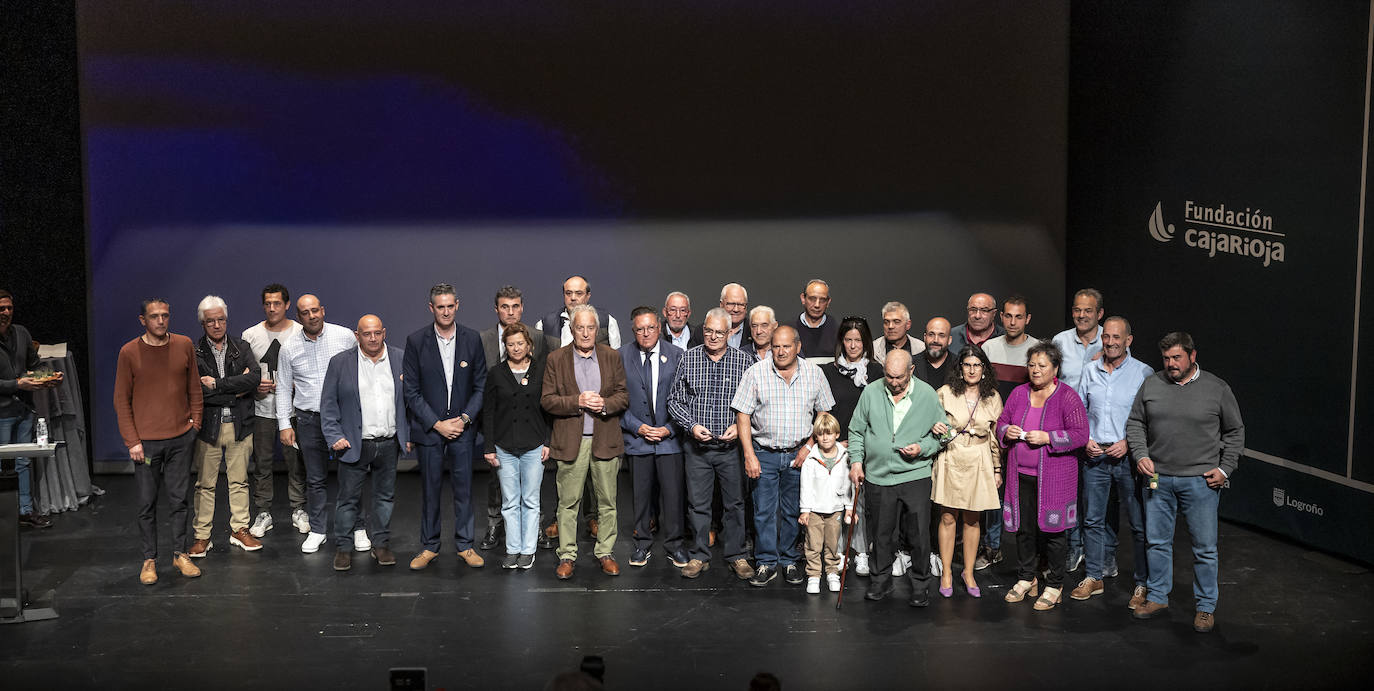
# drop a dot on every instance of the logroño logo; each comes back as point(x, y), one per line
point(1282, 499)
point(1247, 233)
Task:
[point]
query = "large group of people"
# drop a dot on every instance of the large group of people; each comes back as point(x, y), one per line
point(766, 438)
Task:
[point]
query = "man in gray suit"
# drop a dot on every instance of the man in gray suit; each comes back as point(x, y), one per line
point(510, 309)
point(363, 415)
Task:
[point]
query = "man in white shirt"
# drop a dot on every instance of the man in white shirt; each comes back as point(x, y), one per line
point(363, 416)
point(265, 338)
point(300, 371)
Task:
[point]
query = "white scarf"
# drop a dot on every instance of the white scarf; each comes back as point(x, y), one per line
point(858, 371)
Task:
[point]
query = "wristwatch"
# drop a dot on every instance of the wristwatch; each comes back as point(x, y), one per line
point(466, 420)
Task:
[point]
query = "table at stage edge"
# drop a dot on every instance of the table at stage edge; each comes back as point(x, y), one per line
point(12, 609)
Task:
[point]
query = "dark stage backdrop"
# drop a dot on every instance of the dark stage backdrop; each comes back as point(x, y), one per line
point(1217, 185)
point(910, 151)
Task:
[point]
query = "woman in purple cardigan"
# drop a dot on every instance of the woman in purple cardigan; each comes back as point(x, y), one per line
point(1042, 426)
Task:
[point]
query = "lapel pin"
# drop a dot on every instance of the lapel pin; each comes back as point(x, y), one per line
point(463, 363)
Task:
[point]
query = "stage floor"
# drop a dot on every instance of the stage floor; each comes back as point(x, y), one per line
point(278, 619)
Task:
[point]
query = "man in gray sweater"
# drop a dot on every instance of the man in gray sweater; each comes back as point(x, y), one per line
point(1185, 435)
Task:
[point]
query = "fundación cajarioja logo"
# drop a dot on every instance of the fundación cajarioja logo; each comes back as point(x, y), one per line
point(1247, 233)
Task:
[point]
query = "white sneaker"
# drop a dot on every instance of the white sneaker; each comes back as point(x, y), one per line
point(261, 525)
point(312, 543)
point(861, 563)
point(300, 520)
point(833, 582)
point(360, 541)
point(901, 563)
point(813, 585)
point(935, 566)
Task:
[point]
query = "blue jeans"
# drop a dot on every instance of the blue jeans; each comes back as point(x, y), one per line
point(777, 504)
point(1197, 502)
point(1099, 541)
point(378, 457)
point(19, 430)
point(992, 528)
point(520, 478)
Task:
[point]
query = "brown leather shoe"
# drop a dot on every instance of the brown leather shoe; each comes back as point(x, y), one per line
point(564, 570)
point(742, 569)
point(472, 558)
point(609, 567)
point(1203, 622)
point(199, 548)
point(1148, 609)
point(384, 556)
point(551, 531)
point(243, 538)
point(593, 527)
point(148, 574)
point(422, 560)
point(1087, 588)
point(183, 563)
point(1137, 597)
point(694, 568)
point(343, 560)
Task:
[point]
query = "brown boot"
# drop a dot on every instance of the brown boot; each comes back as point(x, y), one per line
point(1087, 588)
point(199, 548)
point(243, 538)
point(183, 564)
point(148, 575)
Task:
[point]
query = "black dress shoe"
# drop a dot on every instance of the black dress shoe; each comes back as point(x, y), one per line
point(488, 540)
point(920, 599)
point(545, 542)
point(34, 520)
point(879, 591)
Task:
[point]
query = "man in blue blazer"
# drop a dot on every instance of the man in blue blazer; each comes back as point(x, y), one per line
point(445, 377)
point(363, 415)
point(652, 442)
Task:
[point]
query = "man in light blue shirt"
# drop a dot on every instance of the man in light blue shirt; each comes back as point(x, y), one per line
point(1110, 384)
point(1080, 346)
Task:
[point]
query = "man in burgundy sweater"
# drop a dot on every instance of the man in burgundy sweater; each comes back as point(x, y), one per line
point(158, 402)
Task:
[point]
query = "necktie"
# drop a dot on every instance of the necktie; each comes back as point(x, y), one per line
point(648, 382)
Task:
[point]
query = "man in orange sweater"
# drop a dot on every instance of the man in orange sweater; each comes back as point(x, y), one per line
point(158, 402)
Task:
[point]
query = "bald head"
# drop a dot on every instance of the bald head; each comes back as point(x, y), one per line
point(785, 347)
point(936, 338)
point(310, 313)
point(897, 361)
point(371, 336)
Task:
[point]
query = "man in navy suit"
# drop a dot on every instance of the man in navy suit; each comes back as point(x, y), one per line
point(445, 377)
point(363, 415)
point(652, 442)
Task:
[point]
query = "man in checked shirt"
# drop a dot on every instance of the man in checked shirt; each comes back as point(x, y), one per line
point(699, 402)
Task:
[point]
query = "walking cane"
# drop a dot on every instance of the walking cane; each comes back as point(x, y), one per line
point(848, 544)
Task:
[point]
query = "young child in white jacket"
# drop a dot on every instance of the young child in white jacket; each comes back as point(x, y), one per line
point(826, 496)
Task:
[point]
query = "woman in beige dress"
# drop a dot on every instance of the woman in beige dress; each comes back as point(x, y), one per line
point(968, 471)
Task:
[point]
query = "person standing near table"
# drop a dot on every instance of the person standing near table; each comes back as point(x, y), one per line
point(228, 378)
point(445, 379)
point(265, 338)
point(300, 374)
point(363, 417)
point(775, 405)
point(17, 358)
point(157, 400)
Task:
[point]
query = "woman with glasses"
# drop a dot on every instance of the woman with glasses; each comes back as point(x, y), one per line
point(1042, 427)
point(851, 370)
point(968, 471)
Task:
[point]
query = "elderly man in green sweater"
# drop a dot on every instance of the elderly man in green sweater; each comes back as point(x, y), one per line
point(891, 449)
